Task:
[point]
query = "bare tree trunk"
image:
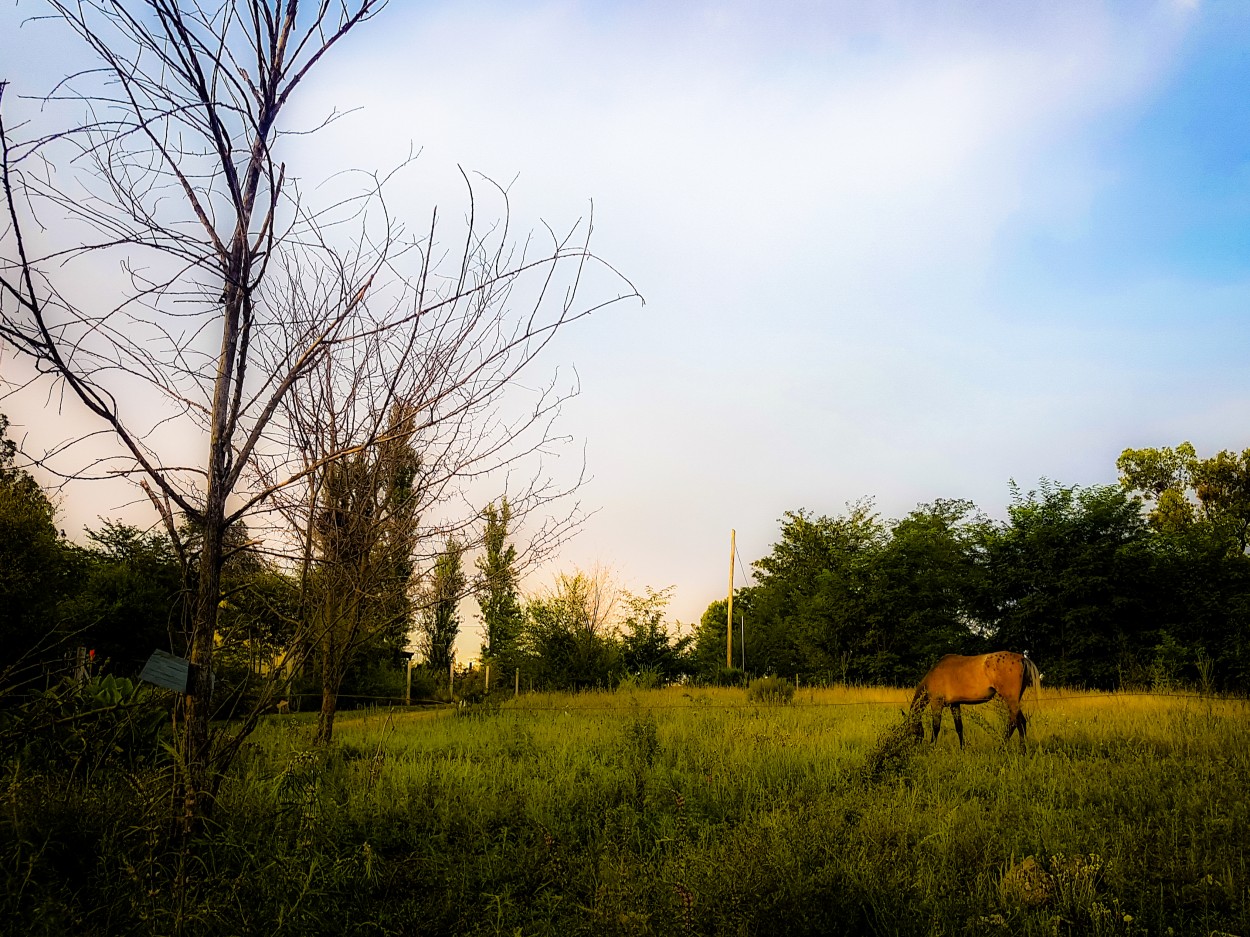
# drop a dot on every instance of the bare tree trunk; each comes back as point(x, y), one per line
point(325, 718)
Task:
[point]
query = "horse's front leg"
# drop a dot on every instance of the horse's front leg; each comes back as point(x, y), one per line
point(959, 723)
point(937, 719)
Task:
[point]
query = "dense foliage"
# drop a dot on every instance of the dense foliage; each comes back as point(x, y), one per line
point(1142, 584)
point(1099, 584)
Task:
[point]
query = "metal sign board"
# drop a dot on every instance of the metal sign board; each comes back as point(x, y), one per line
point(168, 671)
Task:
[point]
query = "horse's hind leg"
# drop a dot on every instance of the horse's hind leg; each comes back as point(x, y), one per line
point(959, 723)
point(1015, 720)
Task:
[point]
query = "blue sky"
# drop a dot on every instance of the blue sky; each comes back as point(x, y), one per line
point(1177, 189)
point(899, 250)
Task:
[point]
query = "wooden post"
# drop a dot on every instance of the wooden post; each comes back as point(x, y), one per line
point(408, 685)
point(517, 689)
point(488, 678)
point(451, 675)
point(729, 632)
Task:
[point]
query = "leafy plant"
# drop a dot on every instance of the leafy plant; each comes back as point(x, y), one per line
point(88, 723)
point(770, 690)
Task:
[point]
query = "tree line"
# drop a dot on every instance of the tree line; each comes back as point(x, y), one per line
point(336, 624)
point(1141, 583)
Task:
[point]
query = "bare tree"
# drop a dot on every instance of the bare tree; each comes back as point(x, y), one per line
point(159, 265)
point(419, 393)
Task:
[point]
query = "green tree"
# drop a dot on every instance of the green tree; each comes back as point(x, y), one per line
point(856, 598)
point(1182, 489)
point(131, 597)
point(259, 626)
point(920, 594)
point(363, 538)
point(814, 591)
point(647, 646)
point(568, 640)
point(439, 621)
point(1222, 486)
point(497, 598)
point(1070, 578)
point(35, 569)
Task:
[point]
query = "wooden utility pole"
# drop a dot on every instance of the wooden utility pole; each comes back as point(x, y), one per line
point(729, 632)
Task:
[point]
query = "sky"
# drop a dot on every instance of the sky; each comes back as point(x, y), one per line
point(897, 250)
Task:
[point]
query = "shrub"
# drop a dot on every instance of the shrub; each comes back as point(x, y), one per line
point(89, 723)
point(770, 690)
point(429, 685)
point(643, 680)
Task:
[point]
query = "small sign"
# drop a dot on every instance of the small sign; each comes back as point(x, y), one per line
point(168, 671)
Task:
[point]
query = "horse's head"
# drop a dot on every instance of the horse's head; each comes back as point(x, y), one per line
point(918, 703)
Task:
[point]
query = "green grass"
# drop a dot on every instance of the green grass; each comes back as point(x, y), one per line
point(683, 812)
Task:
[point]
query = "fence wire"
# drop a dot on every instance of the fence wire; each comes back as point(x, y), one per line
point(505, 703)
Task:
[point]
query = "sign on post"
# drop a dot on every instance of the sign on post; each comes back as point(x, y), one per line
point(168, 671)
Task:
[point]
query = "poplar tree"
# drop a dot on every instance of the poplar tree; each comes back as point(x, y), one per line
point(440, 617)
point(502, 616)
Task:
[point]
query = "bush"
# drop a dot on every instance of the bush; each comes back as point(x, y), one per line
point(88, 724)
point(770, 690)
point(429, 685)
point(643, 680)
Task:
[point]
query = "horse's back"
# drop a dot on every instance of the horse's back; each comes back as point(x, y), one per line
point(977, 677)
point(957, 676)
point(1007, 668)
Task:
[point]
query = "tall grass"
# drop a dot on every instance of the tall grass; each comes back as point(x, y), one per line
point(680, 811)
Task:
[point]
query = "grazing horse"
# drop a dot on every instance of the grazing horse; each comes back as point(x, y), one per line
point(955, 680)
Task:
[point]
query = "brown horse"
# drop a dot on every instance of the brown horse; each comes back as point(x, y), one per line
point(955, 680)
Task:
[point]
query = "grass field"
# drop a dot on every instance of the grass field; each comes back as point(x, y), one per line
point(690, 811)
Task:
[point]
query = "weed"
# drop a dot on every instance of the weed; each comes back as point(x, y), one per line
point(894, 748)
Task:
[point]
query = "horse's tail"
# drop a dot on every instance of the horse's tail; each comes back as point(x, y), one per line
point(1032, 676)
